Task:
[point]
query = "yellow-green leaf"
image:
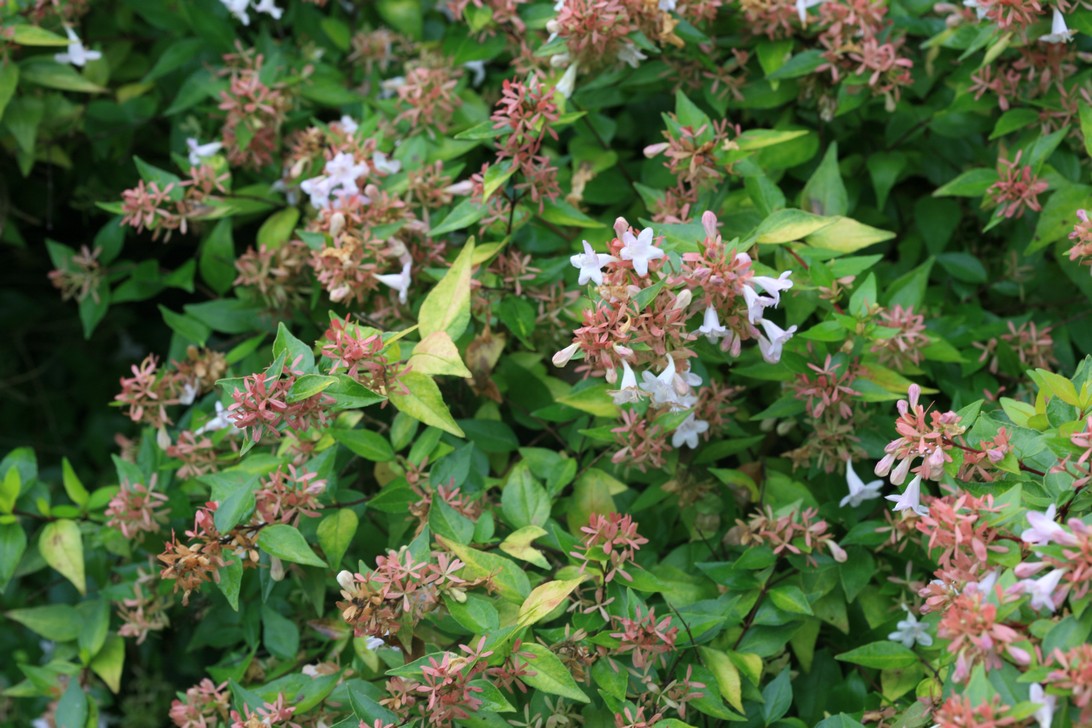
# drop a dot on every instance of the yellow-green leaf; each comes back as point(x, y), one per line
point(544, 599)
point(436, 354)
point(423, 401)
point(62, 548)
point(108, 663)
point(727, 675)
point(447, 306)
point(846, 235)
point(518, 545)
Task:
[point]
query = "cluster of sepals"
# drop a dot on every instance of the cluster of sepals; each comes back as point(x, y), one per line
point(494, 571)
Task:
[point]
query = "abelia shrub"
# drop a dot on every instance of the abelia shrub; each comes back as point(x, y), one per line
point(633, 363)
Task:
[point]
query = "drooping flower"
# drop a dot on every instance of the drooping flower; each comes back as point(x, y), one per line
point(774, 286)
point(640, 250)
point(591, 264)
point(76, 54)
point(630, 54)
point(219, 421)
point(771, 347)
point(269, 8)
point(1043, 528)
point(687, 433)
point(628, 390)
point(910, 631)
point(910, 499)
point(1059, 32)
point(1044, 716)
point(756, 304)
point(859, 491)
point(400, 282)
point(711, 327)
point(661, 388)
point(200, 152)
point(1042, 590)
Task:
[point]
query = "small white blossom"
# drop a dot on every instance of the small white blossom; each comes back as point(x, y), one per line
point(267, 7)
point(711, 327)
point(373, 643)
point(591, 264)
point(978, 8)
point(398, 281)
point(631, 55)
point(774, 286)
point(859, 491)
point(345, 579)
point(668, 6)
point(687, 433)
point(385, 164)
point(1043, 528)
point(76, 54)
point(756, 304)
point(239, 9)
point(910, 632)
point(771, 347)
point(562, 357)
point(567, 84)
point(1044, 716)
point(627, 390)
point(189, 393)
point(478, 69)
point(349, 124)
point(802, 8)
point(661, 388)
point(1042, 590)
point(219, 421)
point(640, 250)
point(1059, 33)
point(200, 152)
point(910, 499)
point(389, 87)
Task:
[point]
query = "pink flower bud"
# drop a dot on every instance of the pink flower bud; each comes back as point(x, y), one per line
point(562, 357)
point(837, 552)
point(620, 226)
point(653, 150)
point(709, 222)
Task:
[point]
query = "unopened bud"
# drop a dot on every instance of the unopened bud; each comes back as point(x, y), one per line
point(682, 301)
point(709, 222)
point(562, 357)
point(837, 552)
point(767, 425)
point(337, 224)
point(784, 427)
point(276, 569)
point(162, 438)
point(345, 580)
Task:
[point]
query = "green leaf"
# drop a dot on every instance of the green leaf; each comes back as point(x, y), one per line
point(825, 192)
point(1014, 120)
point(885, 169)
point(972, 183)
point(802, 64)
point(777, 697)
point(512, 583)
point(94, 617)
point(560, 212)
point(55, 622)
point(72, 707)
point(288, 544)
point(424, 402)
point(963, 266)
point(13, 544)
point(185, 326)
point(9, 79)
point(25, 34)
point(544, 599)
point(72, 485)
point(447, 522)
point(310, 385)
point(1057, 218)
point(335, 533)
point(293, 349)
point(109, 661)
point(524, 501)
point(551, 675)
point(1086, 125)
point(790, 599)
point(883, 655)
point(10, 487)
point(447, 306)
point(463, 215)
point(42, 71)
point(727, 675)
point(846, 235)
point(366, 444)
point(61, 545)
point(216, 261)
point(495, 176)
point(785, 226)
point(280, 635)
point(231, 581)
point(278, 227)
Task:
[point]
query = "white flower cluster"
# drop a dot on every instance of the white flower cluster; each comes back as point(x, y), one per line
point(241, 9)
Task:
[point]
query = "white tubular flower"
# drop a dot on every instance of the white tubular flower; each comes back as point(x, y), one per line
point(1044, 530)
point(478, 69)
point(771, 347)
point(711, 327)
point(687, 433)
point(1042, 590)
point(567, 84)
point(774, 286)
point(627, 390)
point(349, 124)
point(631, 55)
point(910, 499)
point(239, 9)
point(591, 264)
point(200, 152)
point(661, 388)
point(910, 632)
point(562, 357)
point(267, 7)
point(1059, 32)
point(398, 281)
point(756, 304)
point(76, 54)
point(219, 421)
point(859, 491)
point(640, 250)
point(189, 393)
point(1044, 716)
point(385, 164)
point(802, 8)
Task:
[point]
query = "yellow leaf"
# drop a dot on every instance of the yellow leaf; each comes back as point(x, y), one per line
point(726, 674)
point(518, 545)
point(847, 235)
point(544, 599)
point(437, 354)
point(62, 548)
